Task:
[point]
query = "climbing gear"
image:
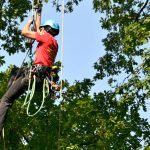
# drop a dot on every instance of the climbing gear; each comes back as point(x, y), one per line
point(54, 71)
point(44, 73)
point(55, 67)
point(30, 94)
point(41, 71)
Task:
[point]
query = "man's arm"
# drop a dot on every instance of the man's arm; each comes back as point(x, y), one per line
point(26, 30)
point(38, 22)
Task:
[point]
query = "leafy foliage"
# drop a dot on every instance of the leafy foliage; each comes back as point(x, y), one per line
point(127, 57)
point(69, 5)
point(109, 119)
point(12, 15)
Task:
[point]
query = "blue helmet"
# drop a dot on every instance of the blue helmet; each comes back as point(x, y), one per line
point(51, 23)
point(51, 27)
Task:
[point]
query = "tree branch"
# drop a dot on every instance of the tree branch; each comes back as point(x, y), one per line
point(139, 13)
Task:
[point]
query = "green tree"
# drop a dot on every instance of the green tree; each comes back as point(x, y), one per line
point(108, 119)
point(126, 65)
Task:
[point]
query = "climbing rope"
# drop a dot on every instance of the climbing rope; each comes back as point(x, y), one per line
point(62, 48)
point(33, 28)
point(31, 91)
point(3, 135)
point(61, 74)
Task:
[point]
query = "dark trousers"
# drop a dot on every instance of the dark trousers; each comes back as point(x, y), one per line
point(14, 91)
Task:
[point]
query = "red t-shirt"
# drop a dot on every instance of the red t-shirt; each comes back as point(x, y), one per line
point(46, 50)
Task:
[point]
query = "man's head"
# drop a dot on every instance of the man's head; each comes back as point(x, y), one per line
point(51, 27)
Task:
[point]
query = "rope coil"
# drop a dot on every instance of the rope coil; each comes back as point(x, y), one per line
point(31, 91)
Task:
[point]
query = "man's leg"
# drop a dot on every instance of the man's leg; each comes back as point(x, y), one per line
point(16, 89)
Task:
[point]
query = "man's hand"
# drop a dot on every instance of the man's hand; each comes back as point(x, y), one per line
point(30, 21)
point(38, 7)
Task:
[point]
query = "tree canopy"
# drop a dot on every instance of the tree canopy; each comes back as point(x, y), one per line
point(109, 119)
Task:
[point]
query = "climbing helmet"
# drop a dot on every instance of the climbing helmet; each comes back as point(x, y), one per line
point(54, 26)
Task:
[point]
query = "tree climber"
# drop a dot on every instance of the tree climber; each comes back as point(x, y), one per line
point(45, 54)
